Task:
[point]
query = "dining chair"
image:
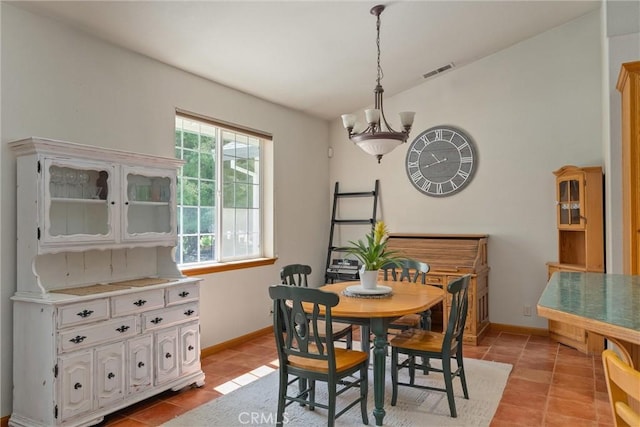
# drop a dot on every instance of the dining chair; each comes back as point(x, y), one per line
point(623, 386)
point(297, 314)
point(432, 345)
point(620, 350)
point(297, 275)
point(412, 271)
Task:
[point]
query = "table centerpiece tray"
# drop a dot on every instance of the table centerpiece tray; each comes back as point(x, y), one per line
point(360, 291)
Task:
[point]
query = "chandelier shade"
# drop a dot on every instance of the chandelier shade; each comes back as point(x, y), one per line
point(378, 138)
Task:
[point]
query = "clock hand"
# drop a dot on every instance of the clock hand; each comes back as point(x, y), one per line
point(436, 162)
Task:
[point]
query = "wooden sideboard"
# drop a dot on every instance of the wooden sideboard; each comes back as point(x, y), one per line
point(449, 257)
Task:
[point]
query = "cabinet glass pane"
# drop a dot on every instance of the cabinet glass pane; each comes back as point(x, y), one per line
point(78, 201)
point(564, 191)
point(574, 190)
point(575, 213)
point(69, 218)
point(564, 213)
point(78, 183)
point(149, 204)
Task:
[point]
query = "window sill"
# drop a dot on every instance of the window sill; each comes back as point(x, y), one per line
point(227, 266)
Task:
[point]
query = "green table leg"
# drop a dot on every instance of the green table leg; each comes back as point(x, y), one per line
point(379, 328)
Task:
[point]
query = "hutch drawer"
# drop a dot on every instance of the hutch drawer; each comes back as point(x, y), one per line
point(138, 302)
point(182, 294)
point(170, 316)
point(83, 312)
point(102, 332)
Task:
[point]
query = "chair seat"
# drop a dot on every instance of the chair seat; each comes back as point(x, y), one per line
point(419, 339)
point(407, 321)
point(345, 359)
point(339, 328)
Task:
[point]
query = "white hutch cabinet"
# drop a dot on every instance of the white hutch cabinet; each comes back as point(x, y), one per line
point(103, 318)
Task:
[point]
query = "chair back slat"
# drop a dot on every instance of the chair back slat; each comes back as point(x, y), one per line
point(296, 316)
point(406, 269)
point(295, 275)
point(458, 289)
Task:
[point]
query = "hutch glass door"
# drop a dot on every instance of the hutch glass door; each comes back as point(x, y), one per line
point(148, 204)
point(79, 200)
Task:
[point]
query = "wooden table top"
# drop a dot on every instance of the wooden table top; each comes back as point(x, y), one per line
point(406, 298)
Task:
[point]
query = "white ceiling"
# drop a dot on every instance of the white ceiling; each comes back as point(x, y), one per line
point(315, 56)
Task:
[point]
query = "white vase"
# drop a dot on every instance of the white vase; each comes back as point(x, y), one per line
point(368, 278)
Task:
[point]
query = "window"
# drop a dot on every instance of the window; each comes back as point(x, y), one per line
point(219, 192)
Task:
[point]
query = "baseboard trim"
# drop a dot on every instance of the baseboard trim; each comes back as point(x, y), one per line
point(233, 342)
point(4, 421)
point(525, 330)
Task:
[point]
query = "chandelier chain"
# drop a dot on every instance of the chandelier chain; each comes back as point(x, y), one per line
point(380, 73)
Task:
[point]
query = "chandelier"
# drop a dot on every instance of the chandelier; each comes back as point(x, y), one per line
point(378, 138)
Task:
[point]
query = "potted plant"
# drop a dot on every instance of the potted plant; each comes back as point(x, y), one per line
point(373, 254)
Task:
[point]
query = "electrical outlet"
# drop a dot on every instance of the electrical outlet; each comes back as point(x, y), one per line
point(526, 310)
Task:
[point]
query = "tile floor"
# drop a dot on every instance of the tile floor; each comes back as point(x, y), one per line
point(550, 384)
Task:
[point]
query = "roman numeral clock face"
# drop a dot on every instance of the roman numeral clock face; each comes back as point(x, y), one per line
point(441, 161)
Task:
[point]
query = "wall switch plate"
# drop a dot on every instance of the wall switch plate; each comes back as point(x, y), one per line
point(526, 310)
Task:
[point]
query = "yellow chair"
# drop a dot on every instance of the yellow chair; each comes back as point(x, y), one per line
point(620, 350)
point(623, 385)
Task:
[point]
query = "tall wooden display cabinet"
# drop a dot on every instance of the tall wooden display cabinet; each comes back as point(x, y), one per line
point(580, 224)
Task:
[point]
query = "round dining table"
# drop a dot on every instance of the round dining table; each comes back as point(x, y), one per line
point(376, 312)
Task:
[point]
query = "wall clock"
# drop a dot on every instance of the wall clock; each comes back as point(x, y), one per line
point(441, 161)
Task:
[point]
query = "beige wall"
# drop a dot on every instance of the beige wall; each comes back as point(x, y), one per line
point(61, 84)
point(531, 109)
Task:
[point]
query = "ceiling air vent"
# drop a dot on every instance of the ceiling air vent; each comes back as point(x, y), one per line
point(438, 70)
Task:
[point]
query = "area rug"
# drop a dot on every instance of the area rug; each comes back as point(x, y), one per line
point(256, 403)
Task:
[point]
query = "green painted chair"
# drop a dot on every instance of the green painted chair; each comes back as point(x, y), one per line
point(297, 275)
point(411, 271)
point(408, 269)
point(429, 345)
point(303, 355)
